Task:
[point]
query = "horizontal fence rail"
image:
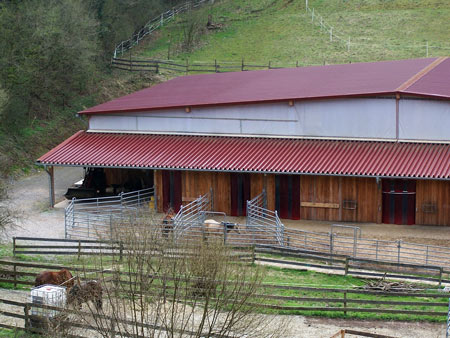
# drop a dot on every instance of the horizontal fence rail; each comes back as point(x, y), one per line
point(265, 245)
point(187, 67)
point(95, 217)
point(156, 23)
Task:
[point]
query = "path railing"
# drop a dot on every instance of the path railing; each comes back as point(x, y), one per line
point(191, 215)
point(156, 23)
point(95, 217)
point(259, 217)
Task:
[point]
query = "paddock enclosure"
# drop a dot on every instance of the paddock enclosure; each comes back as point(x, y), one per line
point(365, 142)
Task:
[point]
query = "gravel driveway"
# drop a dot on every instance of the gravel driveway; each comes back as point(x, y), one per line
point(29, 198)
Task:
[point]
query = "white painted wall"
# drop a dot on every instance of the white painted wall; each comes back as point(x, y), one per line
point(424, 120)
point(342, 118)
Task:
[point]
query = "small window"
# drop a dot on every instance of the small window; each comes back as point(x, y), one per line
point(349, 204)
point(429, 208)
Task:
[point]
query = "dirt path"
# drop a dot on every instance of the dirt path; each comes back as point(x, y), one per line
point(29, 198)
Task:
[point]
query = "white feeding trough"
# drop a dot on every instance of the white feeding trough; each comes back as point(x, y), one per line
point(50, 295)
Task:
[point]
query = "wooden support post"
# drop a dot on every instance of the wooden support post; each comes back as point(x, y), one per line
point(79, 250)
point(242, 65)
point(51, 185)
point(187, 66)
point(14, 246)
point(253, 254)
point(440, 276)
point(346, 266)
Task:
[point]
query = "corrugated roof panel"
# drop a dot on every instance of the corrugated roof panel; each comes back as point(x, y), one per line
point(330, 157)
point(357, 79)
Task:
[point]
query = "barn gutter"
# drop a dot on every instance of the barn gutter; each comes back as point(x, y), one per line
point(50, 170)
point(251, 172)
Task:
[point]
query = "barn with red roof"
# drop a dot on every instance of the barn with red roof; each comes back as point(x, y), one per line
point(365, 142)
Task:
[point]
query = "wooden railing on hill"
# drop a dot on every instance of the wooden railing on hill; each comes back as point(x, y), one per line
point(188, 67)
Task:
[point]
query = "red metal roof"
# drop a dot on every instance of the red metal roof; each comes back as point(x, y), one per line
point(358, 79)
point(337, 157)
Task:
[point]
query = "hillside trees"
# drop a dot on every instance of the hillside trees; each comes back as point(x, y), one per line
point(48, 57)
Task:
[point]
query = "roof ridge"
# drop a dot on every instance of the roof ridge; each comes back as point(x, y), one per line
point(408, 83)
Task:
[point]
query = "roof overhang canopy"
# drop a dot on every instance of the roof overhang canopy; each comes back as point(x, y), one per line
point(249, 154)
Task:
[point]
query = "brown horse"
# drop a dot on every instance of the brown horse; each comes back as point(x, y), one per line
point(84, 292)
point(62, 277)
point(168, 222)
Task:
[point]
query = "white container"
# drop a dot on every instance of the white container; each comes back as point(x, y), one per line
point(47, 294)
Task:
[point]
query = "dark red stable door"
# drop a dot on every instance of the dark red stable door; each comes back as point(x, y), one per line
point(287, 196)
point(399, 201)
point(171, 190)
point(240, 193)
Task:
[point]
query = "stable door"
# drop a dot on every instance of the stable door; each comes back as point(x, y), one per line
point(171, 181)
point(287, 196)
point(240, 193)
point(399, 201)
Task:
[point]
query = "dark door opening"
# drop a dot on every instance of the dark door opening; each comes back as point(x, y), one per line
point(399, 201)
point(240, 193)
point(287, 196)
point(171, 190)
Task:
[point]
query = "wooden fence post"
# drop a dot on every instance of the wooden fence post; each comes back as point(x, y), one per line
point(15, 275)
point(440, 276)
point(121, 251)
point(14, 246)
point(253, 254)
point(79, 249)
point(346, 266)
point(26, 311)
point(187, 66)
point(345, 303)
point(242, 66)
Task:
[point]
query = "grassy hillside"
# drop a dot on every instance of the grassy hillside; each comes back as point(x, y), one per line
point(282, 31)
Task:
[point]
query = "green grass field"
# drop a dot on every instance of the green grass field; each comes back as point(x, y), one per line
point(282, 31)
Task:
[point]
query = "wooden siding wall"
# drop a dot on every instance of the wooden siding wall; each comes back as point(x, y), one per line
point(433, 202)
point(365, 192)
point(121, 176)
point(367, 195)
point(331, 192)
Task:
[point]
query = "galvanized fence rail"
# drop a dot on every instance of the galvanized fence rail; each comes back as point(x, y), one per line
point(192, 214)
point(96, 217)
point(259, 218)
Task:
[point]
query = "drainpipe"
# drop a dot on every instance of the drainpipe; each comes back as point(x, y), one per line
point(51, 184)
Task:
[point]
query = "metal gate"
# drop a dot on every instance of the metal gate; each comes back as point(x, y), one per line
point(95, 217)
point(191, 215)
point(260, 218)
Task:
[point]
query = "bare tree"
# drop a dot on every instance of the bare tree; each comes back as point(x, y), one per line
point(193, 27)
point(7, 216)
point(168, 288)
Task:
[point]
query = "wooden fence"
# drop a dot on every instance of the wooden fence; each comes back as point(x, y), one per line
point(187, 67)
point(262, 253)
point(307, 300)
